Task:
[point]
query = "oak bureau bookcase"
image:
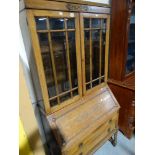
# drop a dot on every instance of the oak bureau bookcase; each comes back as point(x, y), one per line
point(70, 45)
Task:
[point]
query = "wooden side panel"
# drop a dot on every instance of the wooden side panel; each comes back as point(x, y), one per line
point(125, 98)
point(121, 85)
point(118, 39)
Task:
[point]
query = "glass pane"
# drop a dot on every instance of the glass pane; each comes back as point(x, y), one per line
point(87, 55)
point(75, 92)
point(86, 22)
point(41, 23)
point(47, 64)
point(102, 79)
point(88, 86)
point(95, 83)
point(70, 23)
point(130, 64)
point(65, 97)
point(96, 23)
point(103, 52)
point(53, 102)
point(44, 45)
point(56, 23)
point(59, 51)
point(95, 53)
point(104, 22)
point(72, 52)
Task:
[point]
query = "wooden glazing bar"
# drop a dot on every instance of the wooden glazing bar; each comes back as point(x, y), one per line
point(100, 57)
point(43, 31)
point(90, 53)
point(61, 94)
point(68, 59)
point(94, 80)
point(52, 57)
point(62, 30)
point(92, 29)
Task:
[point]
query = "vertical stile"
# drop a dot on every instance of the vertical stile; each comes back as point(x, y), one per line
point(107, 48)
point(82, 36)
point(78, 54)
point(68, 58)
point(52, 57)
point(90, 52)
point(38, 58)
point(100, 57)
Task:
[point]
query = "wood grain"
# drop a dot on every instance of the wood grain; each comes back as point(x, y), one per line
point(90, 117)
point(122, 85)
point(63, 6)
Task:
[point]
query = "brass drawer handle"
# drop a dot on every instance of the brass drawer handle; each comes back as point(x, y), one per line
point(80, 145)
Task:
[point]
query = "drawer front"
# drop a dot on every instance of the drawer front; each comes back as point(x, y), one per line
point(95, 137)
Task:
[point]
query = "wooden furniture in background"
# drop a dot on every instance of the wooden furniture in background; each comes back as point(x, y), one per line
point(70, 45)
point(121, 62)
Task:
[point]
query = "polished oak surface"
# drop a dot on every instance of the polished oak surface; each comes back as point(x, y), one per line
point(78, 122)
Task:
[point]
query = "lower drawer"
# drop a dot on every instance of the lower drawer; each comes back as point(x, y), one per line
point(89, 143)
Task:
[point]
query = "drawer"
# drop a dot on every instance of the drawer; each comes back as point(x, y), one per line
point(99, 134)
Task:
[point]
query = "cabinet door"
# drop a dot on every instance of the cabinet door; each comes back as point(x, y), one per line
point(94, 41)
point(55, 39)
point(130, 61)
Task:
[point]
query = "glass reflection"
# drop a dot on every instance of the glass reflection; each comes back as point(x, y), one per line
point(96, 23)
point(56, 23)
point(72, 53)
point(86, 22)
point(70, 23)
point(65, 97)
point(75, 92)
point(103, 53)
point(95, 53)
point(59, 51)
point(130, 64)
point(53, 102)
point(47, 64)
point(87, 55)
point(41, 23)
point(95, 83)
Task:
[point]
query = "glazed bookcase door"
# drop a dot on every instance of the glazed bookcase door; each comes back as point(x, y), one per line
point(55, 40)
point(94, 41)
point(130, 61)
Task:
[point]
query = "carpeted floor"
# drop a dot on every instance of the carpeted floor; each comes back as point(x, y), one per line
point(124, 147)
